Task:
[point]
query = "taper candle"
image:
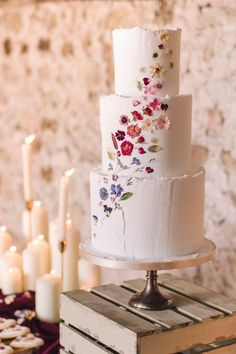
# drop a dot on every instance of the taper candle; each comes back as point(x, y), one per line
point(27, 167)
point(12, 282)
point(39, 220)
point(5, 239)
point(48, 289)
point(41, 246)
point(63, 203)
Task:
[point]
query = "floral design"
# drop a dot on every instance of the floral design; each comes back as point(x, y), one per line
point(120, 135)
point(124, 120)
point(133, 131)
point(127, 148)
point(103, 193)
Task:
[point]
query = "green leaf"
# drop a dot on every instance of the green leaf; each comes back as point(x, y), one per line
point(126, 196)
point(111, 155)
point(139, 85)
point(154, 148)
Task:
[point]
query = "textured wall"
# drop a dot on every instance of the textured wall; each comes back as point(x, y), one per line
point(55, 61)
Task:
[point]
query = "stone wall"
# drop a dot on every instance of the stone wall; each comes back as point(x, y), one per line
point(55, 61)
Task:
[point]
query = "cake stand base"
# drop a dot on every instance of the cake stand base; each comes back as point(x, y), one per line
point(151, 298)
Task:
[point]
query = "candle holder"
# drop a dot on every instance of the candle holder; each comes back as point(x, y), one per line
point(62, 247)
point(29, 205)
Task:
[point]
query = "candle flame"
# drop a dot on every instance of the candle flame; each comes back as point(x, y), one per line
point(40, 237)
point(69, 173)
point(29, 139)
point(12, 249)
point(3, 228)
point(68, 221)
point(37, 203)
point(53, 272)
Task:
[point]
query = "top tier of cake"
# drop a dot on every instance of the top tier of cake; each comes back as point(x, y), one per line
point(153, 53)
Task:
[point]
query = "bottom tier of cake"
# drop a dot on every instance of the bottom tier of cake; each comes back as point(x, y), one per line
point(147, 218)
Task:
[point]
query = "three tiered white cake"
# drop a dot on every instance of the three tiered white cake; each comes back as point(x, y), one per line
point(146, 201)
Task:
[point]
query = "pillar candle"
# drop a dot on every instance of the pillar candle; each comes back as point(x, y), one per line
point(47, 301)
point(89, 274)
point(26, 225)
point(5, 264)
point(27, 167)
point(32, 268)
point(12, 282)
point(14, 257)
point(63, 203)
point(39, 220)
point(42, 248)
point(5, 239)
point(70, 255)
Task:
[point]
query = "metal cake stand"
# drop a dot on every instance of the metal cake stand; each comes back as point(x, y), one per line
point(151, 298)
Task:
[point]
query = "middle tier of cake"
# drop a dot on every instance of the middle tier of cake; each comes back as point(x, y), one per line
point(147, 218)
point(146, 138)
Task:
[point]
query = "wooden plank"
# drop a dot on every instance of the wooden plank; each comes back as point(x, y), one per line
point(184, 305)
point(198, 293)
point(229, 349)
point(111, 325)
point(181, 339)
point(76, 343)
point(120, 296)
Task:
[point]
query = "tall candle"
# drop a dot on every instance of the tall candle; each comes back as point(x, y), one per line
point(27, 167)
point(39, 220)
point(43, 250)
point(47, 301)
point(89, 274)
point(26, 225)
point(14, 257)
point(5, 264)
point(5, 239)
point(12, 281)
point(63, 203)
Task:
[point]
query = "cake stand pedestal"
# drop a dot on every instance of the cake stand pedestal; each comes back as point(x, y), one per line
point(151, 298)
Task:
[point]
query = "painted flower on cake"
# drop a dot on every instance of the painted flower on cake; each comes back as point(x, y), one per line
point(140, 140)
point(147, 124)
point(164, 106)
point(149, 169)
point(148, 111)
point(133, 131)
point(103, 193)
point(155, 104)
point(120, 135)
point(116, 190)
point(135, 161)
point(127, 148)
point(124, 120)
point(136, 103)
point(164, 36)
point(162, 122)
point(146, 80)
point(137, 115)
point(141, 151)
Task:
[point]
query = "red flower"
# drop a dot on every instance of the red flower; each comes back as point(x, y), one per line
point(120, 135)
point(164, 106)
point(161, 46)
point(147, 110)
point(127, 148)
point(133, 131)
point(124, 120)
point(146, 81)
point(140, 140)
point(136, 115)
point(155, 104)
point(149, 170)
point(141, 151)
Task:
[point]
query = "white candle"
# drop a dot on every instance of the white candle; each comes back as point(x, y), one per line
point(12, 281)
point(26, 225)
point(70, 256)
point(32, 269)
point(14, 257)
point(27, 167)
point(89, 274)
point(5, 264)
point(43, 250)
point(5, 239)
point(63, 203)
point(47, 301)
point(39, 220)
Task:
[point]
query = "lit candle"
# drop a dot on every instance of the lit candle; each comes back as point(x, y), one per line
point(43, 250)
point(70, 255)
point(63, 203)
point(39, 220)
point(5, 239)
point(47, 300)
point(13, 257)
point(12, 281)
point(89, 274)
point(27, 167)
point(26, 225)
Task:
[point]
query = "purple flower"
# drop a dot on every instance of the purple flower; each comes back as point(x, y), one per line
point(103, 193)
point(115, 177)
point(120, 135)
point(116, 190)
point(135, 161)
point(107, 210)
point(146, 81)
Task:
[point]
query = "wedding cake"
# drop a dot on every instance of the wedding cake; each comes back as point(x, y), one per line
point(147, 202)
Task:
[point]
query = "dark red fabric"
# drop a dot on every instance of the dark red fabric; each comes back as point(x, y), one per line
point(26, 301)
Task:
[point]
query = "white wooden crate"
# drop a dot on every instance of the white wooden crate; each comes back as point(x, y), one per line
point(101, 321)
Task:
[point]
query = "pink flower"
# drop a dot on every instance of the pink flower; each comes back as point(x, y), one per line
point(147, 124)
point(159, 85)
point(127, 148)
point(150, 90)
point(124, 120)
point(136, 115)
point(147, 110)
point(135, 103)
point(133, 131)
point(155, 104)
point(146, 81)
point(149, 170)
point(140, 140)
point(162, 122)
point(141, 151)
